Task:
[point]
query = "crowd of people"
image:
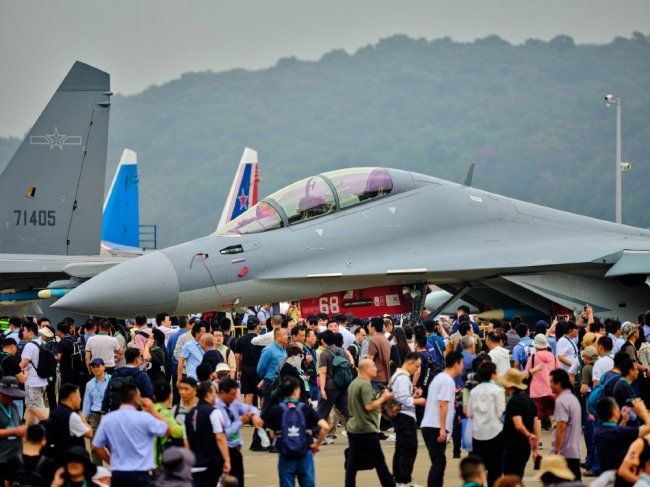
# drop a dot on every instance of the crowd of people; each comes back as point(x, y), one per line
point(147, 402)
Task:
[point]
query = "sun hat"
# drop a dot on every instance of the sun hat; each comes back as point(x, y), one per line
point(540, 342)
point(513, 378)
point(556, 465)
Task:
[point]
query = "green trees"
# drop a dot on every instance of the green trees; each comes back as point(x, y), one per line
point(531, 116)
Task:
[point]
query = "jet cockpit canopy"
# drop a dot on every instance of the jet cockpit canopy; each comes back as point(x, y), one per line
point(311, 198)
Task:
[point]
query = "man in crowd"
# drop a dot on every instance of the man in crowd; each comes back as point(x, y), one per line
point(204, 426)
point(295, 456)
point(94, 397)
point(267, 370)
point(379, 353)
point(438, 418)
point(35, 401)
point(104, 347)
point(66, 427)
point(131, 373)
point(129, 435)
point(164, 324)
point(247, 356)
point(605, 363)
point(141, 332)
point(613, 436)
point(363, 425)
point(268, 337)
point(184, 326)
point(567, 350)
point(69, 355)
point(568, 419)
point(331, 395)
point(235, 414)
point(11, 430)
point(31, 467)
point(406, 443)
point(523, 349)
point(264, 314)
point(309, 365)
point(191, 355)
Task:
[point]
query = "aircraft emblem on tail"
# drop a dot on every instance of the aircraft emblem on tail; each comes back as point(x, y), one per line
point(55, 139)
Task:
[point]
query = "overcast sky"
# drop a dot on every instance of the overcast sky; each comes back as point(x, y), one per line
point(145, 42)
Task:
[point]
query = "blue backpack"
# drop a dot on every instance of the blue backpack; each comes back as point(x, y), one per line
point(295, 442)
point(598, 393)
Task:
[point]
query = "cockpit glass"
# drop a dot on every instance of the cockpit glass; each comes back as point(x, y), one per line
point(259, 218)
point(306, 199)
point(360, 184)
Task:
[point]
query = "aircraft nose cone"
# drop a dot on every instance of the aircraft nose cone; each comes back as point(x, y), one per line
point(146, 284)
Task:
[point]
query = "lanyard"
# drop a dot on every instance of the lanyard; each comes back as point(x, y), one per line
point(200, 349)
point(99, 391)
point(9, 415)
point(573, 345)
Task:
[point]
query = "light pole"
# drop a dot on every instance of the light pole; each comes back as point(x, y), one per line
point(609, 101)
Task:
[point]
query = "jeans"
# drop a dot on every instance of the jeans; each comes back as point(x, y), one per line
point(366, 444)
point(302, 468)
point(436, 456)
point(406, 448)
point(595, 453)
point(457, 431)
point(589, 442)
point(491, 451)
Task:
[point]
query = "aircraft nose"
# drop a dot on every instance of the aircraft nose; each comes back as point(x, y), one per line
point(146, 284)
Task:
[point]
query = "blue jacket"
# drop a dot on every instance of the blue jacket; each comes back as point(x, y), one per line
point(269, 361)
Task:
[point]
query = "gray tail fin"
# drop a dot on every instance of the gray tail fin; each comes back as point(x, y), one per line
point(51, 193)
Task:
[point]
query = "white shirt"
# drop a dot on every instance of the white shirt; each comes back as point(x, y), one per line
point(501, 358)
point(104, 347)
point(568, 349)
point(442, 388)
point(31, 352)
point(348, 337)
point(77, 427)
point(216, 419)
point(602, 365)
point(263, 340)
point(487, 403)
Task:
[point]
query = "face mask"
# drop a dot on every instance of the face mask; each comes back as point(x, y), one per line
point(295, 361)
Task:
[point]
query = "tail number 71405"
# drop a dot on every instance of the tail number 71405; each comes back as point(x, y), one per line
point(40, 218)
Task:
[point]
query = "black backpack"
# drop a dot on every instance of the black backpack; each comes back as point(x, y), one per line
point(430, 369)
point(46, 367)
point(114, 391)
point(76, 358)
point(24, 477)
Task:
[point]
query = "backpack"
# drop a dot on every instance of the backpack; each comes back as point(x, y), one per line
point(115, 390)
point(27, 477)
point(598, 393)
point(46, 367)
point(341, 370)
point(431, 369)
point(76, 358)
point(295, 442)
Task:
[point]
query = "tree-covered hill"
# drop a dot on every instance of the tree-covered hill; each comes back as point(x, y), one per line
point(531, 116)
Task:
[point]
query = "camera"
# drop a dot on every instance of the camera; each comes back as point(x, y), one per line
point(609, 98)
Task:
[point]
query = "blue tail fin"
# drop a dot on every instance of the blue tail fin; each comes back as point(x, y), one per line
point(121, 220)
point(243, 192)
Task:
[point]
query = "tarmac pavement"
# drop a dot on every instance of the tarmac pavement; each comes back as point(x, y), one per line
point(261, 468)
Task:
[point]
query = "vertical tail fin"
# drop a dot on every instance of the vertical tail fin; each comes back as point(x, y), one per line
point(243, 192)
point(50, 192)
point(121, 219)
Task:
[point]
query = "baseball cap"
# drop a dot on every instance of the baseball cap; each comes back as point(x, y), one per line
point(97, 361)
point(222, 367)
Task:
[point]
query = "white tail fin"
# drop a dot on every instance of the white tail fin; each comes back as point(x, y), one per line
point(243, 192)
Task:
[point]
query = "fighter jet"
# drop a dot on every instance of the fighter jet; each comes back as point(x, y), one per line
point(50, 206)
point(358, 228)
